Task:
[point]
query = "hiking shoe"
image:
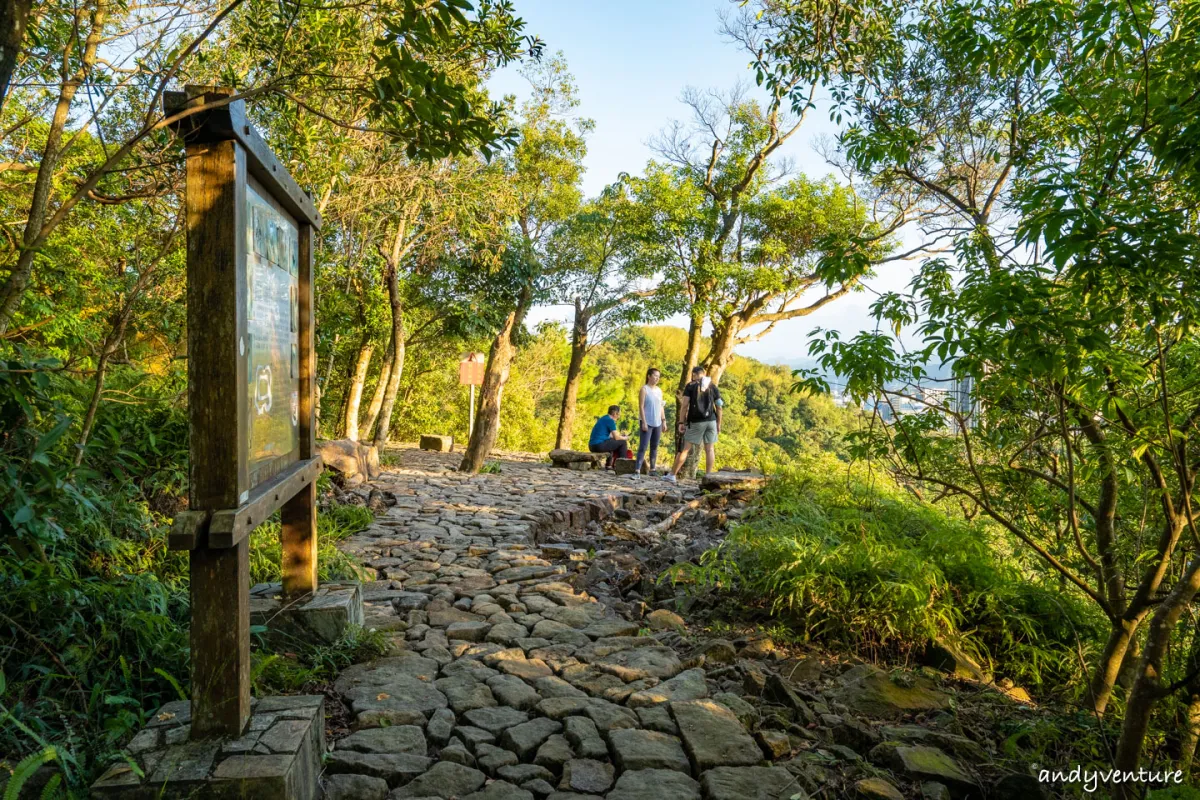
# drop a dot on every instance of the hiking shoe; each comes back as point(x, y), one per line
point(669, 478)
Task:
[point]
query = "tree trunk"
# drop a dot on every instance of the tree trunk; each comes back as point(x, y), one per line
point(89, 419)
point(579, 342)
point(13, 16)
point(393, 384)
point(495, 375)
point(690, 357)
point(1191, 711)
point(13, 291)
point(720, 353)
point(354, 391)
point(1107, 671)
point(385, 373)
point(1148, 687)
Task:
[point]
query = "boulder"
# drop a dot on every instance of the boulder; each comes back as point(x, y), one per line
point(871, 691)
point(344, 456)
point(440, 444)
point(947, 656)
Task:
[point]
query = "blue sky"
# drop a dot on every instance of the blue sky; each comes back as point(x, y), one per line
point(632, 61)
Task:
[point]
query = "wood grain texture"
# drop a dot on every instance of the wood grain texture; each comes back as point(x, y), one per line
point(220, 640)
point(216, 323)
point(188, 530)
point(232, 525)
point(299, 538)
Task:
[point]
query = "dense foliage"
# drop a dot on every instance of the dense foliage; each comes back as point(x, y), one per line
point(1037, 158)
point(847, 557)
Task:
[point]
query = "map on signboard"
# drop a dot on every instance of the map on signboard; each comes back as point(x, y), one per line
point(273, 368)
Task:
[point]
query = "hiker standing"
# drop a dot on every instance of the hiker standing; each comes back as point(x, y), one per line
point(701, 408)
point(650, 408)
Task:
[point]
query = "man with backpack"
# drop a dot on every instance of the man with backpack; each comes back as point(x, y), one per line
point(701, 408)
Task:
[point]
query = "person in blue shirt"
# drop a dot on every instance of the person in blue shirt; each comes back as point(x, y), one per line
point(606, 438)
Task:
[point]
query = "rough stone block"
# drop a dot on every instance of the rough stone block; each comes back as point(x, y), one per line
point(322, 618)
point(440, 444)
point(624, 466)
point(278, 758)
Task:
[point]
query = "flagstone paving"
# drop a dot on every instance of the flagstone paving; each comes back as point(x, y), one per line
point(506, 681)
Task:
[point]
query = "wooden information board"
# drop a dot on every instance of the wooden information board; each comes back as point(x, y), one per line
point(250, 232)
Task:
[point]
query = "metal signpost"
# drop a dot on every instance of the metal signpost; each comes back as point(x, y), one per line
point(470, 373)
point(250, 238)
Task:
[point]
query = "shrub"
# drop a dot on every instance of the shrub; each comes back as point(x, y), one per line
point(845, 556)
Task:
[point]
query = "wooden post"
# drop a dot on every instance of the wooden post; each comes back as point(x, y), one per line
point(220, 579)
point(220, 592)
point(299, 515)
point(227, 498)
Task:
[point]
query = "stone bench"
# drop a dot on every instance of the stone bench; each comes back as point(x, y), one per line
point(577, 460)
point(440, 444)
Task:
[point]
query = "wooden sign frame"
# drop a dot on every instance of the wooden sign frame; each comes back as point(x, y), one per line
point(225, 155)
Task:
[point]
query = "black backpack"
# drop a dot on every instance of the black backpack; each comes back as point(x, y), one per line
point(704, 400)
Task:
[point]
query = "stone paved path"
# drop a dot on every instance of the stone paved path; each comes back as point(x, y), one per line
point(507, 683)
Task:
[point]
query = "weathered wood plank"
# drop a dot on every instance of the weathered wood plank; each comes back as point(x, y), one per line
point(230, 526)
point(216, 323)
point(188, 529)
point(230, 122)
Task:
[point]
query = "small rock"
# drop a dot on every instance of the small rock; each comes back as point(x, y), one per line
point(393, 768)
point(719, 651)
point(355, 787)
point(774, 744)
point(749, 783)
point(877, 789)
point(713, 735)
point(635, 749)
point(922, 762)
point(932, 790)
point(585, 740)
point(662, 620)
point(495, 720)
point(587, 776)
point(468, 631)
point(657, 718)
point(457, 752)
point(687, 685)
point(491, 758)
point(747, 714)
point(524, 739)
point(523, 773)
point(655, 784)
point(553, 753)
point(500, 790)
point(758, 648)
point(870, 691)
point(392, 739)
point(512, 691)
point(440, 726)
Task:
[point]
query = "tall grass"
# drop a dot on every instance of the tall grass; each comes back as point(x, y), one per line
point(93, 607)
point(847, 557)
point(333, 525)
